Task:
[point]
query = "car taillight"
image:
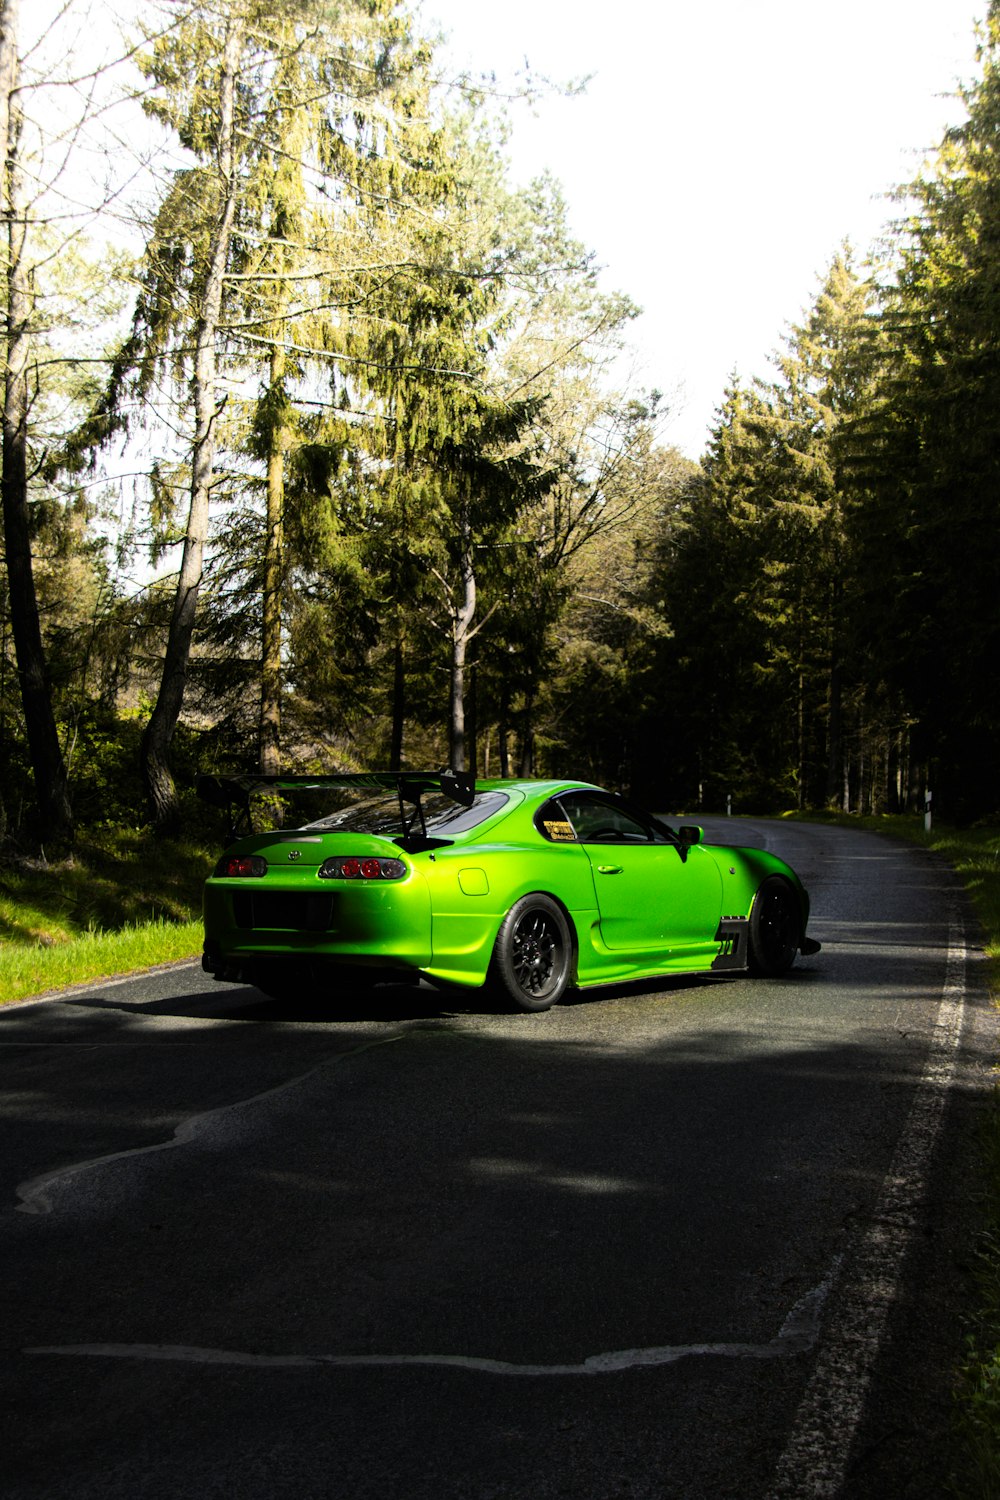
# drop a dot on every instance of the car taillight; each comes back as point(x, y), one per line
point(232, 865)
point(360, 867)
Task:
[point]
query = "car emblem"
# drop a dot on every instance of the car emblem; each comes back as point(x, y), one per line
point(295, 854)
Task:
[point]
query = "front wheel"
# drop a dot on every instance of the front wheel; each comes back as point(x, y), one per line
point(774, 928)
point(532, 954)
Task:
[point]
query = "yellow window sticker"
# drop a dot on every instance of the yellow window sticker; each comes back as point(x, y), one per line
point(559, 831)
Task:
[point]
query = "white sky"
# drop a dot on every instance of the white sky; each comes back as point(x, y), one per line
point(722, 152)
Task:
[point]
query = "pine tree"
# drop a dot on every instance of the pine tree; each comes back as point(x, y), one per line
point(291, 125)
point(56, 824)
point(928, 536)
point(47, 284)
point(754, 574)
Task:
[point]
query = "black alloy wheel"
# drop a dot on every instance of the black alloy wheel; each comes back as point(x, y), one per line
point(532, 955)
point(774, 928)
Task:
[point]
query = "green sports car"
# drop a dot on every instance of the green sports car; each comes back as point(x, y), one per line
point(526, 887)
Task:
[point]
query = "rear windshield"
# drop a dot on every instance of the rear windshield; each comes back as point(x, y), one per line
point(381, 815)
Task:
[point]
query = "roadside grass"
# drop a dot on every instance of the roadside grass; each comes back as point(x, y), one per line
point(28, 971)
point(123, 901)
point(979, 1378)
point(974, 854)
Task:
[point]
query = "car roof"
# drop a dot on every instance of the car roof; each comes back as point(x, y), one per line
point(533, 788)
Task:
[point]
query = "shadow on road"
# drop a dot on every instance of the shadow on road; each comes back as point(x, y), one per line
point(394, 1002)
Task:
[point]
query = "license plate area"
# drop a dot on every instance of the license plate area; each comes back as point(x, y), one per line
point(283, 911)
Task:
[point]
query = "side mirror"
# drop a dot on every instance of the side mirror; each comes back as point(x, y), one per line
point(689, 834)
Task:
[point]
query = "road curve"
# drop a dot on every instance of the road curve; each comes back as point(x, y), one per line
point(700, 1239)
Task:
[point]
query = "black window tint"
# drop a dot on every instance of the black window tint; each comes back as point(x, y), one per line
point(381, 815)
point(552, 823)
point(599, 820)
point(446, 816)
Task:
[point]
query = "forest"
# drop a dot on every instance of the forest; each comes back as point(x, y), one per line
point(317, 454)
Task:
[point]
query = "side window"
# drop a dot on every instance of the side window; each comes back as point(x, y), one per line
point(553, 824)
point(597, 820)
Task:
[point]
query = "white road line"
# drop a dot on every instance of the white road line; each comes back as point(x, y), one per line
point(798, 1334)
point(35, 1193)
point(814, 1463)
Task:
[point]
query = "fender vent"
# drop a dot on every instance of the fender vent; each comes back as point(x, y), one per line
point(733, 935)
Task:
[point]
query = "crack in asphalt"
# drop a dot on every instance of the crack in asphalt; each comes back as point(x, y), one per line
point(798, 1335)
point(35, 1193)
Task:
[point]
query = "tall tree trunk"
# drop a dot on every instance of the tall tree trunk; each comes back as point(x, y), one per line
point(9, 71)
point(159, 732)
point(48, 768)
point(472, 720)
point(398, 701)
point(835, 733)
point(801, 738)
point(274, 569)
point(502, 741)
point(845, 784)
point(463, 614)
point(526, 737)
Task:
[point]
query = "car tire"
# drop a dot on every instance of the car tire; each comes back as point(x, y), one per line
point(532, 955)
point(774, 928)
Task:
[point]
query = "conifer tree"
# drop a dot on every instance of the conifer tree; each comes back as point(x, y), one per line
point(928, 536)
point(754, 574)
point(47, 284)
point(49, 770)
point(290, 114)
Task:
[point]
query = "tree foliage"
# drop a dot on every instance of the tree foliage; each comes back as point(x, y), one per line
point(354, 481)
point(927, 533)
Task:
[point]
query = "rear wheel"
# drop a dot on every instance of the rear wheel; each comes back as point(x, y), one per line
point(532, 954)
point(774, 928)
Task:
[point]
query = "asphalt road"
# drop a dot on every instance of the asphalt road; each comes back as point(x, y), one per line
point(705, 1239)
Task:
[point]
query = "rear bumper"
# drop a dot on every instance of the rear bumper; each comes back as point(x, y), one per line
point(268, 971)
point(386, 925)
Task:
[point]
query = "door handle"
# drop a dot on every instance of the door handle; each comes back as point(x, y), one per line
point(609, 869)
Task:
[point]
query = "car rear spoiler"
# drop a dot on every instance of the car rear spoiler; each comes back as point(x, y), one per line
point(234, 793)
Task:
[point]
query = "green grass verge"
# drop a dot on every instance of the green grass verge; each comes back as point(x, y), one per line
point(26, 971)
point(124, 901)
